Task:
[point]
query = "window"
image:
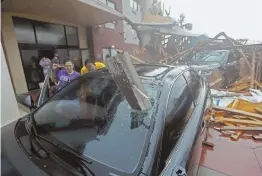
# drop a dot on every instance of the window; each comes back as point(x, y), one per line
point(103, 1)
point(110, 25)
point(24, 30)
point(212, 56)
point(47, 33)
point(131, 3)
point(111, 5)
point(76, 56)
point(71, 35)
point(30, 66)
point(37, 32)
point(134, 5)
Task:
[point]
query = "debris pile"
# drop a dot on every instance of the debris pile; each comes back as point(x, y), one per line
point(237, 117)
point(239, 66)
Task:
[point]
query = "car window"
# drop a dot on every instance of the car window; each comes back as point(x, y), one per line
point(193, 80)
point(180, 109)
point(212, 56)
point(231, 57)
point(177, 91)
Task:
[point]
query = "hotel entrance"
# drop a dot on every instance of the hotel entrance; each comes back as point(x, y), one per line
point(37, 39)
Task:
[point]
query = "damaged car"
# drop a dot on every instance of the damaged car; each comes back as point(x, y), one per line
point(207, 61)
point(88, 127)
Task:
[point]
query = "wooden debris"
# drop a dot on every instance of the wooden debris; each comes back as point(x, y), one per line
point(235, 104)
point(259, 84)
point(131, 56)
point(245, 117)
point(236, 111)
point(215, 82)
point(253, 69)
point(244, 80)
point(259, 109)
point(238, 121)
point(242, 128)
point(257, 137)
point(205, 142)
point(127, 79)
point(238, 88)
point(237, 135)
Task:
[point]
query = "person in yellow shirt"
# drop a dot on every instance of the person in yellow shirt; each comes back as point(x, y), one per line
point(91, 66)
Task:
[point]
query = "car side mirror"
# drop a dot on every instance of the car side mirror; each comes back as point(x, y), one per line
point(26, 100)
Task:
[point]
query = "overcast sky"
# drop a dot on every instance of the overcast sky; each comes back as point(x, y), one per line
point(238, 18)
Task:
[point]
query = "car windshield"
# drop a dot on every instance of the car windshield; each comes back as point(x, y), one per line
point(212, 56)
point(92, 109)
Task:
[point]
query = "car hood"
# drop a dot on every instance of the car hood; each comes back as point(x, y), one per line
point(14, 160)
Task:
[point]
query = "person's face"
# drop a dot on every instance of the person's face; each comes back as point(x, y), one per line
point(69, 66)
point(90, 67)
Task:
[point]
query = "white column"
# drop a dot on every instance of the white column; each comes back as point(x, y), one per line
point(9, 107)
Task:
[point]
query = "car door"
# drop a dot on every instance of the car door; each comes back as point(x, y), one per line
point(45, 90)
point(179, 159)
point(179, 102)
point(179, 108)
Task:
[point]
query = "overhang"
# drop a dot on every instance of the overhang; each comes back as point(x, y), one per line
point(80, 12)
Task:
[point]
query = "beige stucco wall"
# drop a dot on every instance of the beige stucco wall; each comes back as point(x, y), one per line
point(11, 45)
point(9, 107)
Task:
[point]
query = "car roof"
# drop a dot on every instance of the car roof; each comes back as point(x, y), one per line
point(147, 71)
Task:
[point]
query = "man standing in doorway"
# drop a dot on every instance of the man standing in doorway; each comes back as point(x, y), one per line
point(45, 63)
point(55, 60)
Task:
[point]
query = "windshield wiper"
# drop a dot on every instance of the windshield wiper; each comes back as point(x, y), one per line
point(43, 153)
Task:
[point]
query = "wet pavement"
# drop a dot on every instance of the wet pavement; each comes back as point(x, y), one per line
point(234, 158)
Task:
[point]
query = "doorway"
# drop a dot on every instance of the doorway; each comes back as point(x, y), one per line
point(33, 71)
point(47, 53)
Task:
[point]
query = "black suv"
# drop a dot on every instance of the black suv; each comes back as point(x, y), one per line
point(88, 128)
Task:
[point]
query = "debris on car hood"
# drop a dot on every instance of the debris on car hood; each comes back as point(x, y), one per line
point(127, 79)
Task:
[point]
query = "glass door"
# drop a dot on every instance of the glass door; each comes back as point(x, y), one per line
point(62, 55)
point(31, 68)
point(75, 54)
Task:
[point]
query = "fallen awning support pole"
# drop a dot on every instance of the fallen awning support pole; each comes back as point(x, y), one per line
point(127, 79)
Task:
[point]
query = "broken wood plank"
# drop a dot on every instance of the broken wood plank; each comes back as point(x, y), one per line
point(244, 80)
point(246, 117)
point(237, 135)
point(239, 121)
point(215, 82)
point(232, 128)
point(235, 104)
point(259, 109)
point(133, 57)
point(259, 84)
point(127, 79)
point(236, 111)
point(257, 137)
point(253, 70)
point(238, 88)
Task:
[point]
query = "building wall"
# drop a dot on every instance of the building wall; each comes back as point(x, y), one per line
point(104, 37)
point(9, 107)
point(130, 36)
point(12, 50)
